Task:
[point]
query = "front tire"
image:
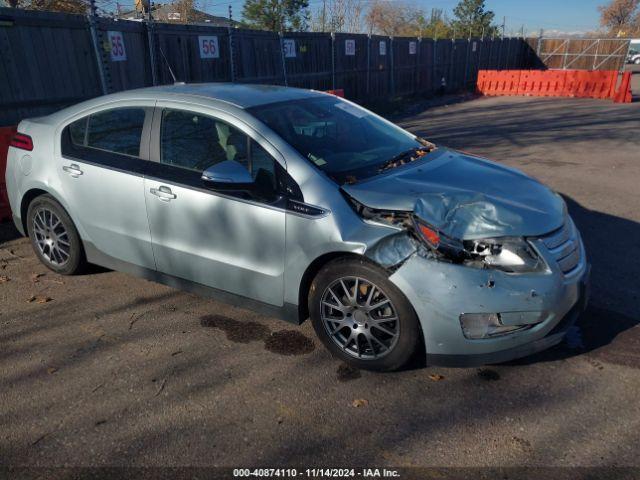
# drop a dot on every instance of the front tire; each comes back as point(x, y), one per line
point(54, 237)
point(362, 317)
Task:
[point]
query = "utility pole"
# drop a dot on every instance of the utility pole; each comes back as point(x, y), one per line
point(504, 24)
point(324, 14)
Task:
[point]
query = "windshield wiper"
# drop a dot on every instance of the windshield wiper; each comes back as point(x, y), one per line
point(407, 156)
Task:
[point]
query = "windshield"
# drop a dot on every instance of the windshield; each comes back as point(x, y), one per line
point(345, 141)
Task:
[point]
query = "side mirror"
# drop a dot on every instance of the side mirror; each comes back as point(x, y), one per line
point(228, 175)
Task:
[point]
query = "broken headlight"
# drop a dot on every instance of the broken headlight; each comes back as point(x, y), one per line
point(512, 254)
point(509, 254)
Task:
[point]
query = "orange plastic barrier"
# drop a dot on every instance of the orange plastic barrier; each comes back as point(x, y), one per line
point(554, 83)
point(6, 134)
point(542, 83)
point(624, 95)
point(498, 82)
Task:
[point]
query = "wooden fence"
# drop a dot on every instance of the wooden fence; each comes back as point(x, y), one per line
point(49, 60)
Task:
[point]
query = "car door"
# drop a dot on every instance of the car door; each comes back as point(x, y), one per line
point(231, 241)
point(101, 165)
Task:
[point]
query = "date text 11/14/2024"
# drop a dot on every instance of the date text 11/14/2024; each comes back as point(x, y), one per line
point(315, 473)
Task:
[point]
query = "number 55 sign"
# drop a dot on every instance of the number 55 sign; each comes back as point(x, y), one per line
point(208, 47)
point(116, 44)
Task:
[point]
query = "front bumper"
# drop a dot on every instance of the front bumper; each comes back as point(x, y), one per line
point(440, 292)
point(554, 337)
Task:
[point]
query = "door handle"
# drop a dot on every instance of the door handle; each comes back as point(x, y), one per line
point(163, 193)
point(73, 170)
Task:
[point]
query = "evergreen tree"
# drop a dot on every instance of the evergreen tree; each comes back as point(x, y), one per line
point(471, 19)
point(276, 15)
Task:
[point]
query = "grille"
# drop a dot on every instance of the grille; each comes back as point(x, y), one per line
point(564, 247)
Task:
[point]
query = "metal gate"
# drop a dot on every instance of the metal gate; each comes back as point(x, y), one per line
point(582, 53)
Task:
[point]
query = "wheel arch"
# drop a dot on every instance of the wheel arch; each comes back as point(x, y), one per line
point(311, 272)
point(33, 193)
point(29, 196)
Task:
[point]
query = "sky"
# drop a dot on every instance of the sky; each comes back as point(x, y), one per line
point(566, 16)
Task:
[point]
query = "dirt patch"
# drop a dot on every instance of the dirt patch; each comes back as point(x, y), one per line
point(238, 332)
point(347, 372)
point(289, 342)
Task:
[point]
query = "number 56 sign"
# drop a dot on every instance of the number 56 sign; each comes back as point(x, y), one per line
point(208, 46)
point(116, 46)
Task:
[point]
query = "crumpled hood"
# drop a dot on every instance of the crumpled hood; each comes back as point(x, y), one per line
point(465, 197)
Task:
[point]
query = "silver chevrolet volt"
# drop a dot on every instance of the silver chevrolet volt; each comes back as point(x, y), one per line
point(298, 204)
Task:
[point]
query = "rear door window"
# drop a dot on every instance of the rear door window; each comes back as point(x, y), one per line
point(118, 130)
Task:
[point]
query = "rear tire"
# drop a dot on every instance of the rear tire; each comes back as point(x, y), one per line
point(54, 237)
point(362, 317)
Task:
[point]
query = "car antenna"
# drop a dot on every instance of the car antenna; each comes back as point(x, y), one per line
point(175, 80)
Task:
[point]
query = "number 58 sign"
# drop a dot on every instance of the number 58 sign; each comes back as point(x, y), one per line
point(208, 46)
point(116, 45)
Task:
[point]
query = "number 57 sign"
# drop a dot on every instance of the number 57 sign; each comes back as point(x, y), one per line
point(208, 46)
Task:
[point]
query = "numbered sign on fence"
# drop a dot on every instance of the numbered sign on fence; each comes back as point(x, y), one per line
point(289, 47)
point(383, 47)
point(116, 45)
point(349, 47)
point(208, 46)
point(413, 48)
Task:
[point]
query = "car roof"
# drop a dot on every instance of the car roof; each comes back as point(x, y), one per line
point(239, 94)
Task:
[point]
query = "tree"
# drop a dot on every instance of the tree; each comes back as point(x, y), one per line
point(438, 25)
point(338, 16)
point(620, 16)
point(65, 6)
point(276, 15)
point(471, 19)
point(392, 18)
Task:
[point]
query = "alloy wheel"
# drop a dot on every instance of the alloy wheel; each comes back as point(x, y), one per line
point(360, 318)
point(51, 237)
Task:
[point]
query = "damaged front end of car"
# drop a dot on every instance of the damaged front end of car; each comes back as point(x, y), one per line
point(492, 273)
point(415, 236)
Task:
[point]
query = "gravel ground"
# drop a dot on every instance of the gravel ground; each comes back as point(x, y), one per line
point(105, 369)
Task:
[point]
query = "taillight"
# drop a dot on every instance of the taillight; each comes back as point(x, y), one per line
point(22, 141)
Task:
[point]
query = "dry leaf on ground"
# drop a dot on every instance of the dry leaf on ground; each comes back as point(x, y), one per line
point(35, 276)
point(39, 299)
point(436, 377)
point(360, 402)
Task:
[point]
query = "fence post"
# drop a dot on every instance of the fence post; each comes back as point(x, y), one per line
point(393, 71)
point(466, 65)
point(231, 55)
point(368, 62)
point(333, 60)
point(416, 83)
point(508, 57)
point(434, 73)
point(152, 48)
point(91, 18)
point(284, 66)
